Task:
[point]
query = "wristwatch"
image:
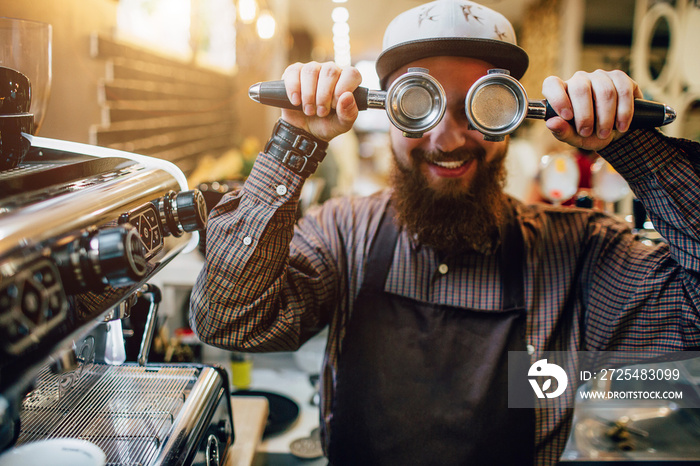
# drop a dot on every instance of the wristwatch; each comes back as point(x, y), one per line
point(295, 148)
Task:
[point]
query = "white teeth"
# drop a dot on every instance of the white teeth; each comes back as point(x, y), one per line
point(450, 164)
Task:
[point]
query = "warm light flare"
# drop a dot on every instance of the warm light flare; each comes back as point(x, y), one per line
point(340, 15)
point(266, 25)
point(247, 10)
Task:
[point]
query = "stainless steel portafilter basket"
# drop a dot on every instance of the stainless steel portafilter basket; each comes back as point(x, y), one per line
point(497, 104)
point(415, 102)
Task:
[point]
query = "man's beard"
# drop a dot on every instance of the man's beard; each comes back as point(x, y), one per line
point(454, 220)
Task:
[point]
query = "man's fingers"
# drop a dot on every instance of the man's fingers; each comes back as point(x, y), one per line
point(309, 82)
point(292, 83)
point(627, 91)
point(605, 100)
point(328, 77)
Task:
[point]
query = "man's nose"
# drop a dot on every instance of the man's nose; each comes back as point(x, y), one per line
point(451, 133)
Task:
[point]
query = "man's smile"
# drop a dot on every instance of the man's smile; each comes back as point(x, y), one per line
point(450, 168)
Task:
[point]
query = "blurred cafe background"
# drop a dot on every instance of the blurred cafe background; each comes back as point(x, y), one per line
point(169, 79)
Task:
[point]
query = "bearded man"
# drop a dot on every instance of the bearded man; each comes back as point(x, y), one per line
point(427, 286)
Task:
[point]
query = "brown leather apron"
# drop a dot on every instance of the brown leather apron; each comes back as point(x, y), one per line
point(426, 384)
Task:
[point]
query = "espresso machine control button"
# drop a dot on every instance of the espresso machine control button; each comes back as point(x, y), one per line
point(32, 303)
point(147, 222)
point(192, 210)
point(121, 256)
point(112, 256)
point(181, 212)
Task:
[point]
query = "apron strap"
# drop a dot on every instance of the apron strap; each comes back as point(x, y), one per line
point(512, 261)
point(381, 253)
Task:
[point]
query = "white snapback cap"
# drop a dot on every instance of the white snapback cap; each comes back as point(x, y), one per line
point(450, 28)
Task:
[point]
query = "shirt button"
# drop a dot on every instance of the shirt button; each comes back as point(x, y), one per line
point(281, 190)
point(530, 350)
point(443, 268)
point(247, 240)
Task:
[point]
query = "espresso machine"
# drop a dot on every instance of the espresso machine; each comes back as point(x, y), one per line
point(82, 231)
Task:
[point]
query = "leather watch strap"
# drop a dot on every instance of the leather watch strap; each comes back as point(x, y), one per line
point(297, 149)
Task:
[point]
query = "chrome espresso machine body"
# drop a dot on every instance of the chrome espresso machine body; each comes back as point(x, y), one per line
point(82, 229)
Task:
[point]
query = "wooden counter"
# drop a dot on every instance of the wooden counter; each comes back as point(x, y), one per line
point(249, 419)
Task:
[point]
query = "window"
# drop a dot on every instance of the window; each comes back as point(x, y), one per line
point(203, 31)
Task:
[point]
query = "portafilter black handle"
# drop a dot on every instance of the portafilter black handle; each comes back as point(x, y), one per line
point(647, 114)
point(274, 94)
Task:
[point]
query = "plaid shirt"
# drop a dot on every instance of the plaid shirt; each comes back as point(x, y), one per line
point(269, 283)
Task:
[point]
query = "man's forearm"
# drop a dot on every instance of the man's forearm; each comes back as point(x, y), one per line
point(248, 236)
point(660, 172)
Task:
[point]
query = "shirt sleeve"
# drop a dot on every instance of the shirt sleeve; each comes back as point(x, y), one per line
point(251, 294)
point(641, 296)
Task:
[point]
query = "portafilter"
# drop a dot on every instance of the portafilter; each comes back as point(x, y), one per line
point(415, 102)
point(497, 104)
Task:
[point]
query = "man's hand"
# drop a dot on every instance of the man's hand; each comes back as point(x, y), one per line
point(601, 104)
point(324, 91)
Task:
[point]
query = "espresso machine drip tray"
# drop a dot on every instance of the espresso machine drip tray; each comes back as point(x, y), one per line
point(135, 414)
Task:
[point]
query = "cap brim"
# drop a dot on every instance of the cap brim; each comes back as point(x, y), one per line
point(498, 53)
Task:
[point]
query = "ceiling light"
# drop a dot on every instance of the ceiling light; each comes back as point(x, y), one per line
point(341, 29)
point(340, 15)
point(266, 25)
point(247, 10)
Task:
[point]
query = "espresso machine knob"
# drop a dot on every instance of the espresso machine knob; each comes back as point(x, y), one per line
point(121, 256)
point(181, 212)
point(112, 256)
